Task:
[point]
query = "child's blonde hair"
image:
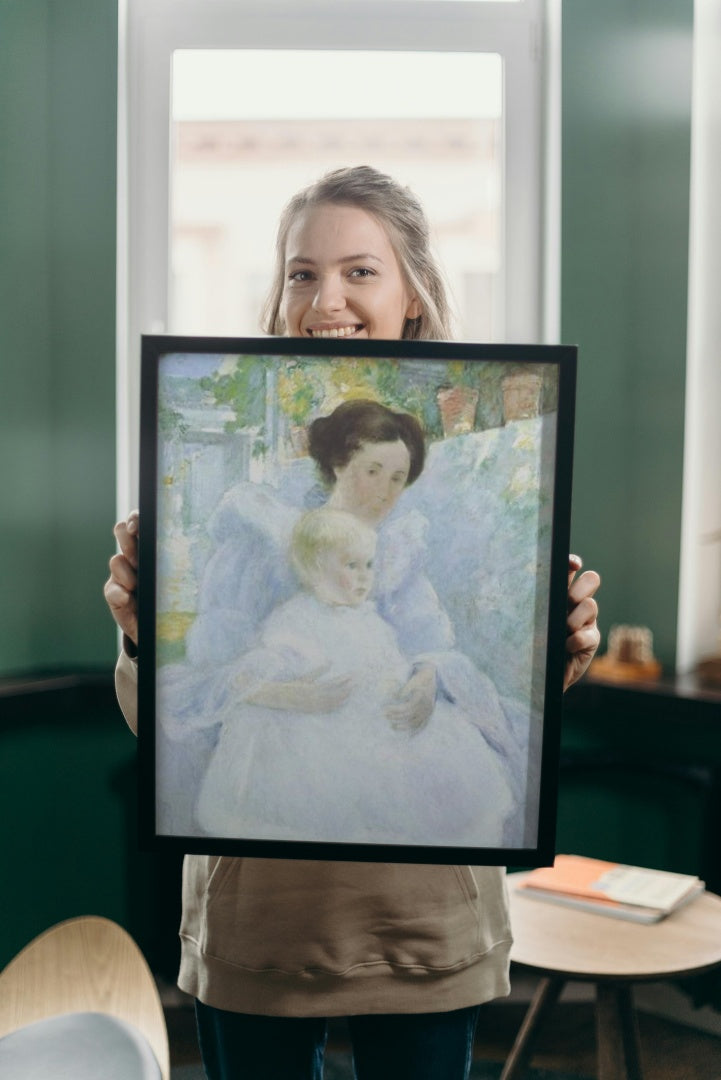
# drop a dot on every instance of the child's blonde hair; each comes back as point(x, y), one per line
point(319, 532)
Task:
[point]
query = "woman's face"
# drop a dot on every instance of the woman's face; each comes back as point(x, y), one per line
point(370, 484)
point(342, 277)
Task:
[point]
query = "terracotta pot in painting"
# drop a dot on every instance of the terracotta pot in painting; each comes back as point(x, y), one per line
point(458, 409)
point(521, 396)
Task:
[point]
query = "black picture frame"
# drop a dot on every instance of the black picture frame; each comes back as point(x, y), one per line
point(469, 597)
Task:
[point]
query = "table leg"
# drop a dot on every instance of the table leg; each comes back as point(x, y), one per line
point(617, 1033)
point(545, 997)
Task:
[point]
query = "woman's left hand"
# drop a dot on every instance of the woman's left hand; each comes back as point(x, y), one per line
point(416, 702)
point(583, 635)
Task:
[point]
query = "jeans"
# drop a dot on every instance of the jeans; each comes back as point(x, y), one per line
point(415, 1046)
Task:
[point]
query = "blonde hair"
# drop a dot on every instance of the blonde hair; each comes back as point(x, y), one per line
point(402, 216)
point(319, 532)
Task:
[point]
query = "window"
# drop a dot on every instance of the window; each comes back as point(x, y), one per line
point(227, 105)
point(235, 161)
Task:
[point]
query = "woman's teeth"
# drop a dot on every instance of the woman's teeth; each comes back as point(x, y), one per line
point(336, 332)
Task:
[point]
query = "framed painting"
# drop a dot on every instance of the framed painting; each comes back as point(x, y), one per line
point(352, 597)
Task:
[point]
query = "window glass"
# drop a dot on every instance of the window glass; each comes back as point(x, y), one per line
point(251, 127)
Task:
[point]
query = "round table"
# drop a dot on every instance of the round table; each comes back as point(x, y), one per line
point(562, 944)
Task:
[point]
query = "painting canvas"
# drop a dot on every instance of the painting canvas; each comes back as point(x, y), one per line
point(352, 594)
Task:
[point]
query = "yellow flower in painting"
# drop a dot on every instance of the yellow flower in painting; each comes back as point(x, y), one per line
point(524, 481)
point(352, 378)
point(300, 392)
point(526, 438)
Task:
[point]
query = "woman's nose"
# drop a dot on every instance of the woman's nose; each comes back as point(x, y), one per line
point(389, 491)
point(329, 295)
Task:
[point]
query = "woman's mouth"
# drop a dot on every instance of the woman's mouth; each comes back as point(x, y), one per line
point(335, 331)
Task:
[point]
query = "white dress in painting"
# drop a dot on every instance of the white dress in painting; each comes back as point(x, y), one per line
point(347, 775)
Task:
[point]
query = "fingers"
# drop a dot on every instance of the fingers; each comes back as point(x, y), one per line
point(585, 640)
point(408, 715)
point(582, 633)
point(584, 586)
point(583, 613)
point(332, 694)
point(575, 563)
point(126, 534)
point(123, 608)
point(121, 587)
point(404, 721)
point(581, 651)
point(400, 714)
point(325, 695)
point(582, 607)
point(123, 572)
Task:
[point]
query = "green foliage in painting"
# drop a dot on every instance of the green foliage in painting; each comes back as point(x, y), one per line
point(241, 387)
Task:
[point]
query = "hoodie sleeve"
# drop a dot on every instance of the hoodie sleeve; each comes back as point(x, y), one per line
point(126, 688)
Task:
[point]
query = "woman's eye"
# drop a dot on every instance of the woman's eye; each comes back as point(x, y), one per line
point(300, 276)
point(362, 272)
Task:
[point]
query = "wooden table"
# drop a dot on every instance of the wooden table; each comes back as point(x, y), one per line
point(563, 944)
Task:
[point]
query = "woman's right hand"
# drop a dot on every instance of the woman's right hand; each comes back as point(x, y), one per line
point(121, 587)
point(309, 694)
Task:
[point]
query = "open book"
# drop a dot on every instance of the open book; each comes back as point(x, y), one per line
point(608, 888)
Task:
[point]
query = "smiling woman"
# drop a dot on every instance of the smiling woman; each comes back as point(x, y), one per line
point(331, 288)
point(353, 259)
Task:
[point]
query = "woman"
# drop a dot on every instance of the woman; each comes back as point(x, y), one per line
point(271, 948)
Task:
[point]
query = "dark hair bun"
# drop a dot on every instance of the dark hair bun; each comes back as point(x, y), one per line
point(334, 439)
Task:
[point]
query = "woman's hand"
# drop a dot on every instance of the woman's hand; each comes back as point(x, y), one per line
point(583, 635)
point(309, 694)
point(416, 701)
point(121, 587)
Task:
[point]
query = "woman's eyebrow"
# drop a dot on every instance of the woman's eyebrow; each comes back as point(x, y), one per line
point(380, 465)
point(361, 257)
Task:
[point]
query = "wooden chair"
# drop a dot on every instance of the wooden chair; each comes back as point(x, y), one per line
point(89, 971)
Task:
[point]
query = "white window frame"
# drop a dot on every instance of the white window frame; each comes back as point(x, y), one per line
point(699, 597)
point(526, 34)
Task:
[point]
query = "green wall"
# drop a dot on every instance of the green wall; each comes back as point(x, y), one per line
point(626, 145)
point(67, 762)
point(58, 73)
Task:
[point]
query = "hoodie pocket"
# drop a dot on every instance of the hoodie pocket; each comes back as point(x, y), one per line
point(294, 916)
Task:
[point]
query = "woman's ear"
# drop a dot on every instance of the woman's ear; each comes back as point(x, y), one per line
point(415, 309)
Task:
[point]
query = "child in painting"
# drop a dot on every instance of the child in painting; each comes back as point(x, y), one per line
point(344, 772)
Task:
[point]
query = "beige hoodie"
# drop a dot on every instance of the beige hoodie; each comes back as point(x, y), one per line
point(284, 937)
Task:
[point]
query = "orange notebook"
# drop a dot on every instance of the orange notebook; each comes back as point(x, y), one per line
point(631, 892)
